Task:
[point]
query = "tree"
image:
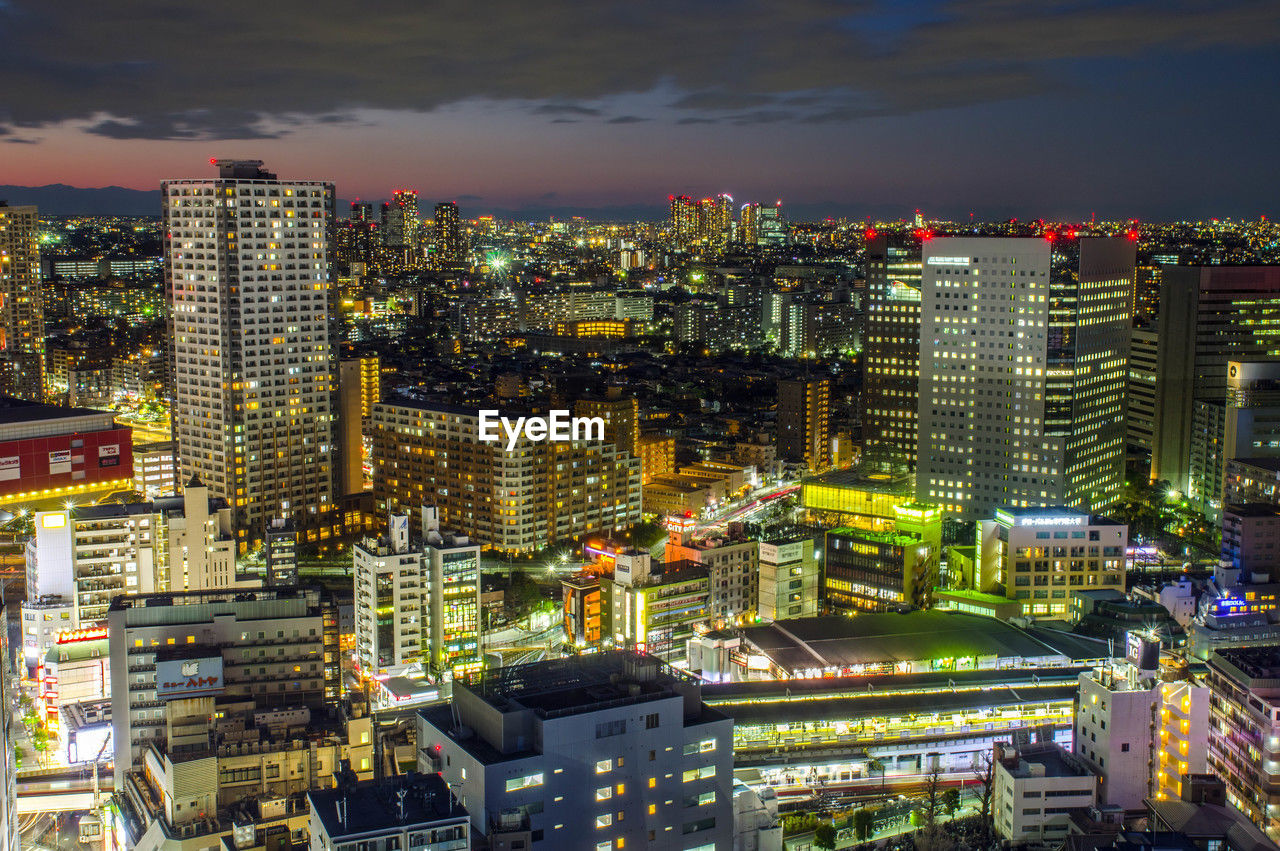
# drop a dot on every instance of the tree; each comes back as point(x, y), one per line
point(984, 769)
point(931, 836)
point(875, 765)
point(863, 822)
point(951, 801)
point(824, 836)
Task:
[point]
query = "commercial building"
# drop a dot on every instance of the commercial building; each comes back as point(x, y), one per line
point(1023, 369)
point(155, 468)
point(273, 647)
point(246, 280)
point(89, 554)
point(804, 422)
point(879, 569)
point(1208, 316)
point(1038, 556)
point(1246, 424)
point(9, 833)
point(48, 452)
point(390, 601)
point(1114, 725)
point(733, 569)
point(606, 751)
point(1251, 538)
point(1035, 788)
point(653, 610)
point(21, 305)
point(416, 812)
point(76, 670)
point(1244, 731)
point(888, 643)
point(863, 498)
point(417, 602)
point(790, 579)
point(538, 494)
point(582, 616)
point(891, 345)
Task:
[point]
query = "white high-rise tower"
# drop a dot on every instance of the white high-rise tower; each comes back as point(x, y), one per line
point(1023, 362)
point(248, 293)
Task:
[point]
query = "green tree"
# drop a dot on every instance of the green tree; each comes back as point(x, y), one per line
point(876, 766)
point(951, 801)
point(863, 820)
point(824, 836)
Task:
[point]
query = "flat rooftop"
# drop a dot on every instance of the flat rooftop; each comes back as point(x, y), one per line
point(1056, 762)
point(14, 411)
point(1251, 509)
point(376, 806)
point(836, 641)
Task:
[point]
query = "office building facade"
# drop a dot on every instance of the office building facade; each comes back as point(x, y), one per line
point(1023, 370)
point(891, 346)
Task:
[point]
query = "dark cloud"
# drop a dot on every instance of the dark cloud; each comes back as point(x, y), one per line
point(564, 109)
point(17, 140)
point(238, 69)
point(469, 198)
point(627, 119)
point(694, 119)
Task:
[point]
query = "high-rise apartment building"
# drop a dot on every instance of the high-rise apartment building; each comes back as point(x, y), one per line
point(621, 415)
point(450, 247)
point(891, 346)
point(804, 422)
point(1023, 369)
point(684, 221)
point(359, 389)
point(601, 751)
point(249, 328)
point(1208, 315)
point(537, 494)
point(21, 305)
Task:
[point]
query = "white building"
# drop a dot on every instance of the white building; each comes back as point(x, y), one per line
point(390, 600)
point(606, 751)
point(1023, 370)
point(82, 557)
point(790, 579)
point(1113, 733)
point(253, 371)
point(1039, 556)
point(1035, 790)
point(416, 812)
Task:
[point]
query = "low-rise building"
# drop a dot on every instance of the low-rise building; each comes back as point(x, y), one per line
point(790, 579)
point(653, 610)
point(1036, 788)
point(870, 569)
point(417, 812)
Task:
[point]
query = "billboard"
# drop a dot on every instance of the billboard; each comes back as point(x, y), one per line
point(188, 677)
point(11, 468)
point(60, 461)
point(1142, 652)
point(109, 455)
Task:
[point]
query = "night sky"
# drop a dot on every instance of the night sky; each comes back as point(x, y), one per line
point(1155, 110)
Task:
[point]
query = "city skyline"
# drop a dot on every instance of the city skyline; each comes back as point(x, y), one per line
point(999, 110)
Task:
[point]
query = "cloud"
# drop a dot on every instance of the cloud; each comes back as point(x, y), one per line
point(627, 119)
point(564, 109)
point(188, 74)
point(469, 198)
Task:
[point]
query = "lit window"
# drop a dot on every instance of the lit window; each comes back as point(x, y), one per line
point(529, 781)
point(603, 766)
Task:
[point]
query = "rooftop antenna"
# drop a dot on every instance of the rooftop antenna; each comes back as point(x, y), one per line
point(400, 793)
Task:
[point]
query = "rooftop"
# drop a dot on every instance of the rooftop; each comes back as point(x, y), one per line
point(1055, 761)
point(373, 806)
point(1251, 509)
point(21, 411)
point(838, 641)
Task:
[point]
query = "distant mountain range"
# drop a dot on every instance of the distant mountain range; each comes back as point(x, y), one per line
point(59, 199)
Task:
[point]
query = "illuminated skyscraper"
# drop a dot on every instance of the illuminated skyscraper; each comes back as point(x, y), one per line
point(400, 225)
point(773, 230)
point(1023, 369)
point(248, 292)
point(451, 249)
point(715, 221)
point(684, 221)
point(21, 305)
point(891, 347)
point(749, 224)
